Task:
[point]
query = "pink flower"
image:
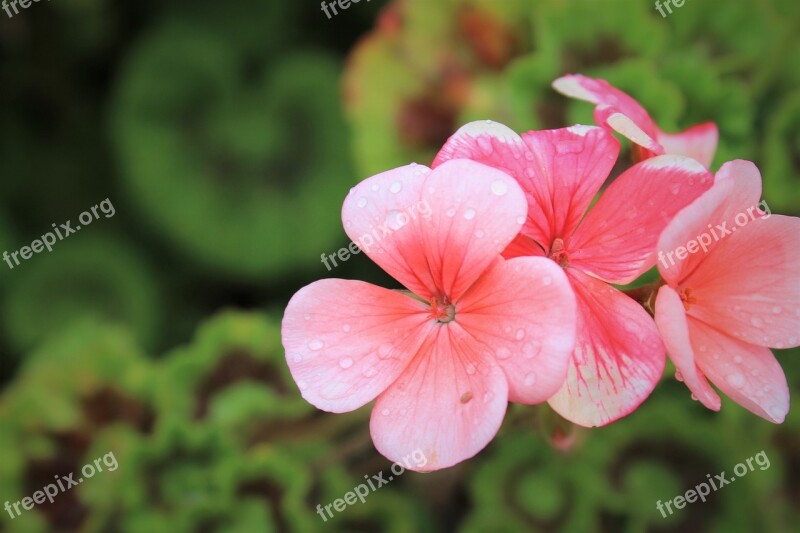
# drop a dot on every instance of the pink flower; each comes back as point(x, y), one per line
point(627, 117)
point(478, 330)
point(734, 297)
point(619, 355)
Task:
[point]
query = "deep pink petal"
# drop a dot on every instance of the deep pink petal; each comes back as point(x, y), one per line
point(523, 312)
point(673, 325)
point(748, 374)
point(490, 143)
point(698, 142)
point(523, 246)
point(617, 239)
point(346, 341)
point(618, 110)
point(449, 402)
point(737, 188)
point(569, 168)
point(749, 286)
point(618, 358)
point(436, 231)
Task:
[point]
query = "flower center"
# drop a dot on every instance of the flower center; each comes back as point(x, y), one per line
point(442, 310)
point(687, 298)
point(558, 253)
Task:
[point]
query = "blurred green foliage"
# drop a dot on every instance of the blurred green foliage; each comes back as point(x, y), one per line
point(226, 138)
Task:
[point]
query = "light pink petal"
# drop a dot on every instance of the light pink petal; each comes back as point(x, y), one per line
point(618, 110)
point(617, 239)
point(672, 324)
point(644, 145)
point(748, 374)
point(618, 358)
point(490, 143)
point(436, 231)
point(737, 188)
point(698, 142)
point(448, 404)
point(749, 286)
point(523, 312)
point(346, 341)
point(569, 168)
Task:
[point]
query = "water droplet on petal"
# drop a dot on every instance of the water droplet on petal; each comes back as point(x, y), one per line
point(302, 385)
point(488, 397)
point(530, 379)
point(298, 358)
point(735, 380)
point(470, 369)
point(396, 219)
point(499, 187)
point(316, 344)
point(737, 359)
point(694, 397)
point(362, 202)
point(346, 362)
point(678, 375)
point(503, 353)
point(479, 233)
point(776, 412)
point(451, 212)
point(395, 187)
point(346, 328)
point(530, 349)
point(469, 214)
point(520, 334)
point(384, 351)
point(547, 280)
point(369, 372)
point(306, 317)
point(385, 412)
point(375, 187)
point(777, 309)
point(520, 220)
point(757, 322)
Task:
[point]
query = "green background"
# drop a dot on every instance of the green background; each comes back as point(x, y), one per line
point(226, 136)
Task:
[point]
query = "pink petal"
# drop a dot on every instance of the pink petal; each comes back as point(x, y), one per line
point(618, 110)
point(737, 188)
point(673, 326)
point(617, 239)
point(569, 168)
point(458, 218)
point(346, 341)
point(448, 404)
point(618, 358)
point(698, 142)
point(490, 143)
point(523, 312)
point(749, 286)
point(748, 374)
point(523, 246)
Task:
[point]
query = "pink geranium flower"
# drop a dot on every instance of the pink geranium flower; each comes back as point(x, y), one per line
point(728, 301)
point(626, 116)
point(475, 331)
point(619, 355)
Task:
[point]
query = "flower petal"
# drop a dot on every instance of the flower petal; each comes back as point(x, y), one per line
point(749, 287)
point(698, 142)
point(523, 311)
point(449, 402)
point(569, 168)
point(617, 239)
point(618, 358)
point(673, 325)
point(736, 189)
point(346, 341)
point(487, 142)
point(750, 375)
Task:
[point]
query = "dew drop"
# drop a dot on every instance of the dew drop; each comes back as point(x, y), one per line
point(776, 412)
point(469, 214)
point(346, 328)
point(375, 187)
point(396, 220)
point(503, 353)
point(547, 280)
point(298, 358)
point(777, 309)
point(507, 328)
point(362, 202)
point(470, 369)
point(302, 385)
point(385, 412)
point(520, 220)
point(694, 397)
point(369, 372)
point(479, 233)
point(451, 212)
point(316, 344)
point(384, 351)
point(530, 379)
point(678, 375)
point(488, 397)
point(346, 362)
point(306, 317)
point(735, 380)
point(757, 322)
point(737, 359)
point(520, 334)
point(529, 350)
point(499, 187)
point(395, 187)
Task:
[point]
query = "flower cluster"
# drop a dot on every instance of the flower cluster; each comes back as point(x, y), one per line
point(513, 284)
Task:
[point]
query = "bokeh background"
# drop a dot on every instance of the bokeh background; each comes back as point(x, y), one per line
point(226, 136)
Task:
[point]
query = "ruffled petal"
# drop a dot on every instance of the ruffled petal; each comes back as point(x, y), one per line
point(673, 325)
point(750, 375)
point(698, 142)
point(523, 312)
point(448, 404)
point(618, 358)
point(346, 341)
point(569, 168)
point(438, 230)
point(708, 220)
point(617, 239)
